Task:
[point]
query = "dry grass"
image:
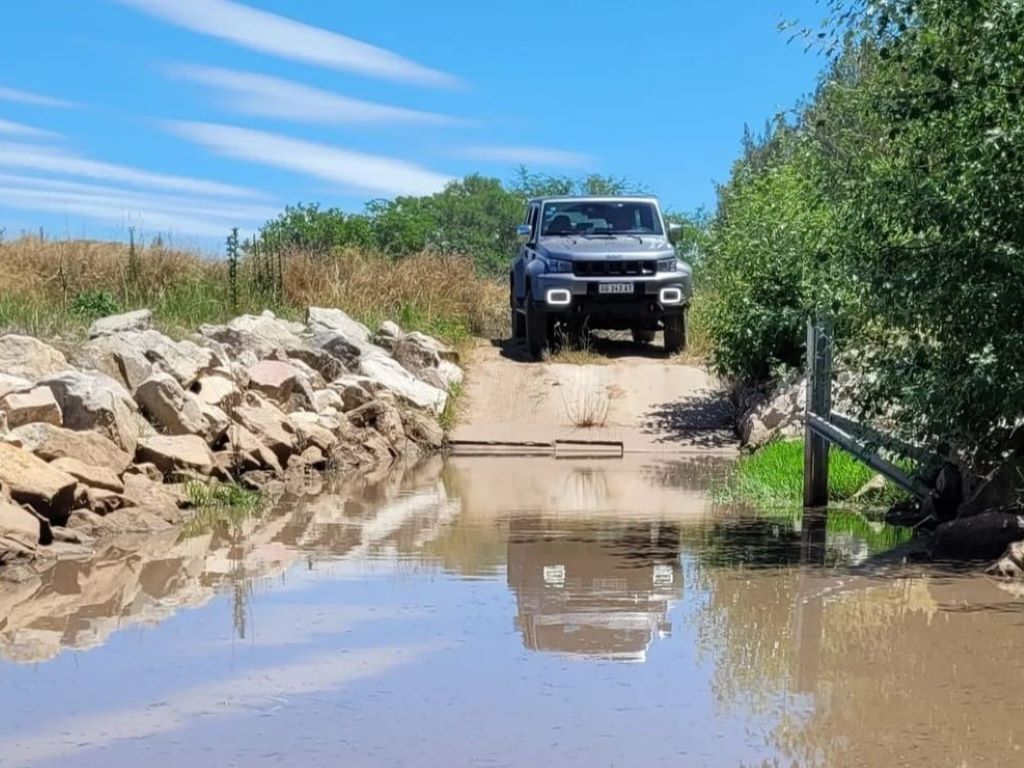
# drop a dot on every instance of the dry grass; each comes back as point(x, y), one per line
point(587, 407)
point(42, 279)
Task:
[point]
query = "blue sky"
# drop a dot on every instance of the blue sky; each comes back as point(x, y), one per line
point(189, 116)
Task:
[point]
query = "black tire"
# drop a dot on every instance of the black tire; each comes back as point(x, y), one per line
point(517, 323)
point(642, 336)
point(676, 331)
point(538, 337)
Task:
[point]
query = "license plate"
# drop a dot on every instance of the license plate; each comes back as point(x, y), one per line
point(614, 287)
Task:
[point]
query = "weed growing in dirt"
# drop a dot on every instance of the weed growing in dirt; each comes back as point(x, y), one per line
point(587, 407)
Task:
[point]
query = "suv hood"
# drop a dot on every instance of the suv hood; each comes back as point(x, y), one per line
point(605, 248)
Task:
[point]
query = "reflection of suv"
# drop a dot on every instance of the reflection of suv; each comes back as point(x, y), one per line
point(601, 263)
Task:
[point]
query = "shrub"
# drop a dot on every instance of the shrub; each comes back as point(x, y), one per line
point(90, 305)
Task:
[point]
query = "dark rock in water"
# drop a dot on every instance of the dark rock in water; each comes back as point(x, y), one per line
point(985, 536)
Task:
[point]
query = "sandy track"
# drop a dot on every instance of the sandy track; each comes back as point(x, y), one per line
point(653, 404)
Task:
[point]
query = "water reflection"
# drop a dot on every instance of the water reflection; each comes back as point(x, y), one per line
point(381, 613)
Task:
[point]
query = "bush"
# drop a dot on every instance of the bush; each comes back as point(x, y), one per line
point(91, 305)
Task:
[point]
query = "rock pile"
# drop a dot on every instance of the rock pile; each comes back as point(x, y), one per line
point(101, 439)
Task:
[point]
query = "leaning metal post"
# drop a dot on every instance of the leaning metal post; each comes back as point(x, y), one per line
point(819, 403)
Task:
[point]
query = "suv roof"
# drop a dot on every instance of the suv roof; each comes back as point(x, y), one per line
point(595, 198)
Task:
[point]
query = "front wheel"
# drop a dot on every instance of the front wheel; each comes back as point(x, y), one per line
point(538, 339)
point(642, 336)
point(676, 331)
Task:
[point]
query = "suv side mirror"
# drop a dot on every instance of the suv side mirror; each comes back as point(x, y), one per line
point(523, 233)
point(674, 231)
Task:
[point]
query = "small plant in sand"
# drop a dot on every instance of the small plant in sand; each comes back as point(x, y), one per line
point(587, 406)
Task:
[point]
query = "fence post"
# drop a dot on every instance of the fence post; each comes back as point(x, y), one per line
point(819, 402)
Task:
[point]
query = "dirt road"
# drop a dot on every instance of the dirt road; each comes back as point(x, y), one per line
point(630, 394)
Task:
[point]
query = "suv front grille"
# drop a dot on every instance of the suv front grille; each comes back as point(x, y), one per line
point(614, 268)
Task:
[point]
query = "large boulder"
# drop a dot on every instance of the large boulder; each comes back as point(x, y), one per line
point(92, 400)
point(389, 374)
point(50, 443)
point(29, 358)
point(428, 360)
point(269, 424)
point(116, 356)
point(90, 474)
point(245, 452)
point(354, 391)
point(218, 388)
point(983, 536)
point(31, 481)
point(170, 407)
point(172, 454)
point(35, 405)
point(160, 499)
point(311, 430)
point(139, 320)
point(281, 383)
point(185, 360)
point(334, 320)
point(21, 531)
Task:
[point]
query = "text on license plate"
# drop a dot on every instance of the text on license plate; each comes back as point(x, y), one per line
point(614, 287)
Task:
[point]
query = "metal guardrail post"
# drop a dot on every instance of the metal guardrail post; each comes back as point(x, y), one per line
point(819, 403)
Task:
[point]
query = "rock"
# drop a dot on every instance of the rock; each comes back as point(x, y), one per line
point(392, 376)
point(388, 335)
point(259, 334)
point(1011, 564)
point(20, 530)
point(49, 443)
point(216, 422)
point(334, 320)
point(354, 391)
point(162, 500)
point(139, 320)
point(29, 358)
point(423, 430)
point(324, 399)
point(145, 469)
point(281, 383)
point(10, 384)
point(247, 452)
point(118, 358)
point(92, 476)
point(269, 424)
point(312, 375)
point(31, 481)
point(386, 419)
point(184, 360)
point(348, 351)
point(218, 388)
point(310, 432)
point(983, 536)
point(177, 453)
point(1002, 486)
point(126, 520)
point(169, 407)
point(35, 405)
point(99, 500)
point(92, 400)
point(310, 458)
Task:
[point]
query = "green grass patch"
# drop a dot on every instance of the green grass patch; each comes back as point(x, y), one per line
point(774, 477)
point(217, 503)
point(450, 415)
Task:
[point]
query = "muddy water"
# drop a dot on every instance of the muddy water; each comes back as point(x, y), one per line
point(599, 613)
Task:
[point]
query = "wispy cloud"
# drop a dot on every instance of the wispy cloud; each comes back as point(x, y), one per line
point(199, 216)
point(289, 39)
point(59, 161)
point(11, 128)
point(27, 97)
point(354, 170)
point(526, 156)
point(266, 96)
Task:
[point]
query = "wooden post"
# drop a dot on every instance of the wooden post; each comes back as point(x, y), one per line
point(819, 402)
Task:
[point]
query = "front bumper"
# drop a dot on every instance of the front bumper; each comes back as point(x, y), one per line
point(651, 297)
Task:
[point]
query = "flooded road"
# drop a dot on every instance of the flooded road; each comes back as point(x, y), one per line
point(510, 612)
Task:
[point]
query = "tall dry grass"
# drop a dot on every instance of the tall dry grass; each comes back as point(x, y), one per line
point(54, 288)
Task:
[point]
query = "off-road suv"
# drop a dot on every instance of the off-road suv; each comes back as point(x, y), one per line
point(598, 263)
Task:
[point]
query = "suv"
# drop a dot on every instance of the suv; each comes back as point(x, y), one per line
point(602, 263)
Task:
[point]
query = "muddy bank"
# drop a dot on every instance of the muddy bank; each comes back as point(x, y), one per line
point(103, 438)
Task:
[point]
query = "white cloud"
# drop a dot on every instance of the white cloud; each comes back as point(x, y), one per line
point(357, 171)
point(527, 156)
point(289, 39)
point(12, 128)
point(110, 205)
point(53, 160)
point(26, 97)
point(265, 96)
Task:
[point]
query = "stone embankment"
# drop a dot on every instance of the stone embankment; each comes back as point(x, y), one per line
point(101, 438)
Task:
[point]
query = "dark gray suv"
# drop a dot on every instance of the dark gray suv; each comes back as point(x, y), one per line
point(598, 263)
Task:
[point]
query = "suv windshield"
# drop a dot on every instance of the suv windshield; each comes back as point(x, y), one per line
point(609, 217)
